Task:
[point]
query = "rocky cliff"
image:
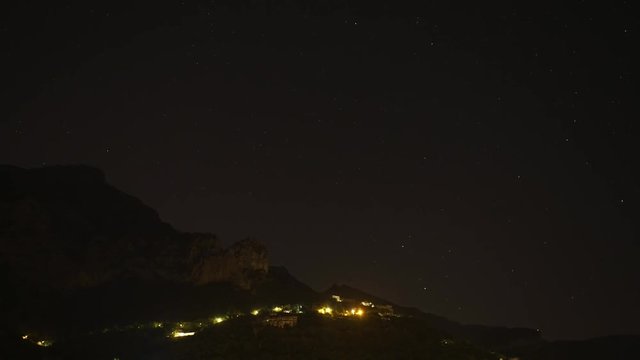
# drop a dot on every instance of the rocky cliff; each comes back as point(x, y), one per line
point(66, 227)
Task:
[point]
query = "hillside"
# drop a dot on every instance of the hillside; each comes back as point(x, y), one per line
point(88, 271)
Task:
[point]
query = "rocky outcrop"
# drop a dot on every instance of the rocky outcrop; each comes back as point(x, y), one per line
point(245, 262)
point(66, 227)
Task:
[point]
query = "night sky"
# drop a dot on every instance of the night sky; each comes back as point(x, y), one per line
point(474, 160)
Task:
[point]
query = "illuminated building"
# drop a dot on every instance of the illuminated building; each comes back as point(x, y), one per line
point(44, 343)
point(325, 310)
point(218, 319)
point(282, 321)
point(179, 334)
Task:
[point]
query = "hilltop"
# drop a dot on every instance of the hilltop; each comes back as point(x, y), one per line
point(89, 271)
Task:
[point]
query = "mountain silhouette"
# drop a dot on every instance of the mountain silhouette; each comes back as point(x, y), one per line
point(79, 257)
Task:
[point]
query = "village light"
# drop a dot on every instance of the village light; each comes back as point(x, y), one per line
point(255, 312)
point(354, 312)
point(218, 320)
point(179, 334)
point(277, 309)
point(44, 343)
point(325, 310)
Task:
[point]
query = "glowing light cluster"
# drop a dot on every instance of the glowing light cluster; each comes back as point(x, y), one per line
point(218, 319)
point(325, 310)
point(179, 334)
point(44, 343)
point(354, 312)
point(255, 312)
point(277, 309)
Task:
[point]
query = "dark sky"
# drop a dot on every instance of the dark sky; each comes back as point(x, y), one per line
point(474, 160)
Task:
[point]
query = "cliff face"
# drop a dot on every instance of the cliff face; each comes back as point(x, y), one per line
point(242, 263)
point(65, 227)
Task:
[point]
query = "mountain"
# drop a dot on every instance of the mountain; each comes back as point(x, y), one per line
point(77, 253)
point(279, 284)
point(608, 347)
point(65, 227)
point(97, 270)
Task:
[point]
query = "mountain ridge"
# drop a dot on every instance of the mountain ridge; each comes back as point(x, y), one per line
point(79, 254)
point(87, 232)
